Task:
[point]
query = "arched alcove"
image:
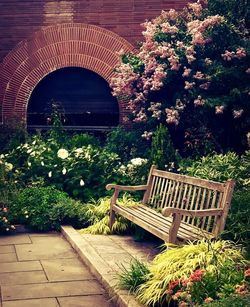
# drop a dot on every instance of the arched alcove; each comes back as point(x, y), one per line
point(82, 96)
point(50, 49)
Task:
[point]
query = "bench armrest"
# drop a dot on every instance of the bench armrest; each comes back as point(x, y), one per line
point(192, 213)
point(177, 215)
point(118, 187)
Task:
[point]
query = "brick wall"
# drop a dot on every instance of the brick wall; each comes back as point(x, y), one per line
point(32, 42)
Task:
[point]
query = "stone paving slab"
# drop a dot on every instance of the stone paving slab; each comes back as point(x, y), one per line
point(46, 290)
point(10, 257)
point(48, 302)
point(6, 249)
point(23, 266)
point(65, 269)
point(19, 278)
point(17, 239)
point(44, 248)
point(84, 301)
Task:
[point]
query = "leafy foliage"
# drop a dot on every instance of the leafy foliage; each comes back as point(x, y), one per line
point(98, 217)
point(126, 144)
point(219, 167)
point(238, 224)
point(134, 276)
point(45, 208)
point(162, 151)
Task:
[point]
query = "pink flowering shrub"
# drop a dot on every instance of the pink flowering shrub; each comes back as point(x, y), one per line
point(203, 287)
point(191, 71)
point(5, 225)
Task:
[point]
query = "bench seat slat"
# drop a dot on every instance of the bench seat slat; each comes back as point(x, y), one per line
point(156, 223)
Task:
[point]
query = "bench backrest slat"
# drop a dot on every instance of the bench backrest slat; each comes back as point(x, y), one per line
point(184, 192)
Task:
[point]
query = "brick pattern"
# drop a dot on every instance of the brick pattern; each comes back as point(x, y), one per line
point(40, 36)
point(52, 48)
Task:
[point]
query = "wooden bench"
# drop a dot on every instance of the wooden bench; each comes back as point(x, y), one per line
point(177, 207)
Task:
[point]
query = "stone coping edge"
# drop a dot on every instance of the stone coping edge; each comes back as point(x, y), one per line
point(104, 274)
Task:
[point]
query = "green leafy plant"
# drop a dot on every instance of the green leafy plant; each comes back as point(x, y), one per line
point(45, 208)
point(127, 144)
point(162, 151)
point(132, 277)
point(98, 216)
point(219, 167)
point(238, 224)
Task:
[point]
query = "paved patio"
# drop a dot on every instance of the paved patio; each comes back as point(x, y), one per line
point(43, 270)
point(106, 255)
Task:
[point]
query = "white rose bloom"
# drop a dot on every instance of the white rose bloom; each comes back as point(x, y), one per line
point(62, 153)
point(138, 161)
point(8, 166)
point(64, 171)
point(82, 183)
point(50, 174)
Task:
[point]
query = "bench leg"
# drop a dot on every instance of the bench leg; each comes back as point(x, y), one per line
point(173, 230)
point(111, 218)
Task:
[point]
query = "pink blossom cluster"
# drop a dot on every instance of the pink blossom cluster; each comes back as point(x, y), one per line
point(197, 28)
point(237, 113)
point(141, 116)
point(147, 135)
point(122, 83)
point(196, 8)
point(199, 101)
point(219, 109)
point(172, 116)
point(239, 54)
point(155, 108)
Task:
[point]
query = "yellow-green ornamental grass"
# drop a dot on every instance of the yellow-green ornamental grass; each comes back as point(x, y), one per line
point(179, 262)
point(98, 214)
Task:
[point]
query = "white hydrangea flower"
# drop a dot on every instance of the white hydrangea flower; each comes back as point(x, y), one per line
point(42, 163)
point(82, 183)
point(62, 153)
point(29, 164)
point(78, 152)
point(64, 171)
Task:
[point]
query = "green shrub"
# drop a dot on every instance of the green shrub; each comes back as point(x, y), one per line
point(83, 139)
point(171, 267)
point(82, 172)
point(238, 223)
point(126, 144)
point(232, 300)
point(45, 208)
point(12, 134)
point(162, 151)
point(219, 167)
point(134, 276)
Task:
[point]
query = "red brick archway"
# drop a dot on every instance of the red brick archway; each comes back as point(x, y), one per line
point(52, 48)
